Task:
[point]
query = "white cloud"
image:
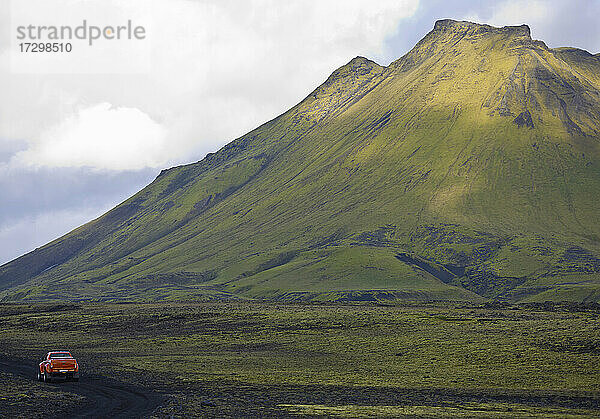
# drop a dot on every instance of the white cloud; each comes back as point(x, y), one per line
point(100, 136)
point(535, 13)
point(218, 68)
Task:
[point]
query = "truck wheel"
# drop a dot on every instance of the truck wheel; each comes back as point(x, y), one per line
point(39, 375)
point(47, 378)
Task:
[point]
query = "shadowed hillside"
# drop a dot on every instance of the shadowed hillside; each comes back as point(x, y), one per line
point(467, 169)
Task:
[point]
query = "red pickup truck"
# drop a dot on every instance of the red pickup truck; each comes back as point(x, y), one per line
point(58, 364)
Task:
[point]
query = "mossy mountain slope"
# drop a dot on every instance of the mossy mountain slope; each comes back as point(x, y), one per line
point(467, 169)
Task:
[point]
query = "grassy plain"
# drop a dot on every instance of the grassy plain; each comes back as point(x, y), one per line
point(235, 358)
point(21, 398)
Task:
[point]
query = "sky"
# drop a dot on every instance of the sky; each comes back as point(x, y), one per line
point(82, 131)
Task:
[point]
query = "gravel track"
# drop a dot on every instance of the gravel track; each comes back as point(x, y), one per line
point(106, 397)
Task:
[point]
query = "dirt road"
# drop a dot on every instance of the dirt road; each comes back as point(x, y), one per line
point(105, 397)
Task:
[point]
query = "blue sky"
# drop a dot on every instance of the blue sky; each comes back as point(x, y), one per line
point(80, 135)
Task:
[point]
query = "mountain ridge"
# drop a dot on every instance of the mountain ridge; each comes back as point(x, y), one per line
point(464, 170)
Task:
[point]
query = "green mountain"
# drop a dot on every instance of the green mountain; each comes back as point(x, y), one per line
point(468, 169)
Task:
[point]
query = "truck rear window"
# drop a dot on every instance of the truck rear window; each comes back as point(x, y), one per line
point(60, 355)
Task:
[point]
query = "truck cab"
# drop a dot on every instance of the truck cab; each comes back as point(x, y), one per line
point(58, 364)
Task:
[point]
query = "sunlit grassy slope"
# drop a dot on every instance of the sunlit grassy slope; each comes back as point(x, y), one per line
point(467, 169)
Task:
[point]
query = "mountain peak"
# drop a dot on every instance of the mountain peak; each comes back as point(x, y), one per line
point(467, 169)
point(450, 35)
point(465, 27)
point(356, 67)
